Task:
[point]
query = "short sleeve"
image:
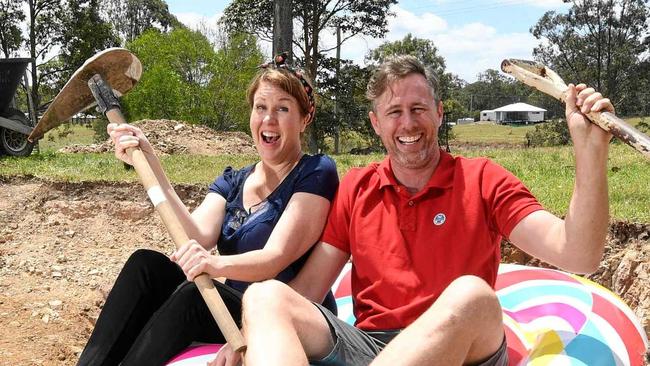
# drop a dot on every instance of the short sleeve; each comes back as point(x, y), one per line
point(319, 177)
point(224, 183)
point(337, 229)
point(508, 200)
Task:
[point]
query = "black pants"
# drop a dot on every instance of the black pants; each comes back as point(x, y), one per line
point(152, 313)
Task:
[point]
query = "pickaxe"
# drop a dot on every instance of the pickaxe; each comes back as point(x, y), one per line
point(547, 81)
point(114, 72)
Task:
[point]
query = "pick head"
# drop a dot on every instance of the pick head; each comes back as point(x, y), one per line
point(118, 66)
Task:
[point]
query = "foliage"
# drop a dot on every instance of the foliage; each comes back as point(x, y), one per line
point(131, 18)
point(185, 79)
point(99, 130)
point(83, 34)
point(552, 133)
point(11, 15)
point(235, 66)
point(424, 50)
point(176, 72)
point(312, 18)
point(600, 43)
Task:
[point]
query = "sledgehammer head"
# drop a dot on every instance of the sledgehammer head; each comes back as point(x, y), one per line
point(118, 66)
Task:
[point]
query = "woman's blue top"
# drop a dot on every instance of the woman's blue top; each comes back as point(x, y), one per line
point(243, 231)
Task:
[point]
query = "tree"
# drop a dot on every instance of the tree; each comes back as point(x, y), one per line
point(44, 26)
point(11, 17)
point(235, 65)
point(353, 17)
point(423, 49)
point(185, 79)
point(83, 34)
point(597, 42)
point(283, 28)
point(131, 18)
point(176, 73)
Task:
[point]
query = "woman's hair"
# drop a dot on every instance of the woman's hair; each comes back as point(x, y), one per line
point(397, 68)
point(295, 83)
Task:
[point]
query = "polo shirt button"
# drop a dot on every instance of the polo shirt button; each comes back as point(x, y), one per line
point(411, 203)
point(398, 189)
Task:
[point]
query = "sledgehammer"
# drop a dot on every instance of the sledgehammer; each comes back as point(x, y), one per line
point(90, 85)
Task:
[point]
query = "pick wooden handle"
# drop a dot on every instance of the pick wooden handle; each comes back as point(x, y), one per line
point(547, 81)
point(172, 223)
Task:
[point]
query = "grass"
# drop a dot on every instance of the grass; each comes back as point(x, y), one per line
point(548, 172)
point(487, 133)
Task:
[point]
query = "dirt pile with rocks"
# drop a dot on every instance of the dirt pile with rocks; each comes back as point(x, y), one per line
point(174, 137)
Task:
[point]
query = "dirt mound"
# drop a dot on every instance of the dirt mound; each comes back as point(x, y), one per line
point(63, 244)
point(174, 137)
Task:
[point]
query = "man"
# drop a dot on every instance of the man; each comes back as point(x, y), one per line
point(423, 229)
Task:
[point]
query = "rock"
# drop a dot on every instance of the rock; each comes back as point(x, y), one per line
point(46, 318)
point(12, 226)
point(55, 304)
point(70, 233)
point(57, 275)
point(179, 127)
point(61, 259)
point(93, 272)
point(57, 268)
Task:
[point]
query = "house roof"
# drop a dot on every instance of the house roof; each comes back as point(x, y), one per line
point(519, 107)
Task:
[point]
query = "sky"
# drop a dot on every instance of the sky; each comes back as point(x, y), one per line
point(472, 35)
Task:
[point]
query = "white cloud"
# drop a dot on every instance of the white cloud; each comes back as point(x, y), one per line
point(468, 49)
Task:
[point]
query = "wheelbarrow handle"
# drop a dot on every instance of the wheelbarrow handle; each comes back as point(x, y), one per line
point(547, 81)
point(111, 108)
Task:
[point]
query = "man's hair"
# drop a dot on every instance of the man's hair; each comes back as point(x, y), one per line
point(284, 80)
point(396, 68)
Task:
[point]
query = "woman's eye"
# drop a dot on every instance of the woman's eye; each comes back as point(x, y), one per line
point(283, 109)
point(260, 107)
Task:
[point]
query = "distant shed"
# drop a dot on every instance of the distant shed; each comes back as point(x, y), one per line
point(517, 113)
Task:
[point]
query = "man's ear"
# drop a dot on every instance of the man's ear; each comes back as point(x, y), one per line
point(441, 113)
point(374, 122)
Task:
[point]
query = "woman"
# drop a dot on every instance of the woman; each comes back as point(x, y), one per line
point(263, 219)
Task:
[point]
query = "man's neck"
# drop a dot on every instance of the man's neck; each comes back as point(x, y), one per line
point(415, 179)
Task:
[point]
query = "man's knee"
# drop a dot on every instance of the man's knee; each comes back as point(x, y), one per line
point(472, 299)
point(270, 295)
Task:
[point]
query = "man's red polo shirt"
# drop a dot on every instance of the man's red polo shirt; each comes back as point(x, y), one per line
point(406, 249)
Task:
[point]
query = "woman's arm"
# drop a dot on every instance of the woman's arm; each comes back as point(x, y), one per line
point(298, 229)
point(204, 225)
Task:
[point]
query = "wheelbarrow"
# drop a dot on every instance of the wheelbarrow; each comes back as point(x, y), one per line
point(15, 125)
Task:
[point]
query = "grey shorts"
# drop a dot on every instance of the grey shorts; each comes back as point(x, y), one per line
point(355, 347)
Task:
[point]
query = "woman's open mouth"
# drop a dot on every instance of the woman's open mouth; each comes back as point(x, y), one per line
point(270, 137)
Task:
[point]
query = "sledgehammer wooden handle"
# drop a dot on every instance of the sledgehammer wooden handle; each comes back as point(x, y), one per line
point(547, 81)
point(172, 223)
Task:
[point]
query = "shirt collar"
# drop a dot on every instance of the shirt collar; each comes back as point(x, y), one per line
point(442, 176)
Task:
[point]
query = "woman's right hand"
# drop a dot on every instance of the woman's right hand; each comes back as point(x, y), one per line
point(226, 357)
point(125, 136)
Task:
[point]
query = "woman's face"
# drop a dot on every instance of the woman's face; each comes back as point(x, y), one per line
point(276, 124)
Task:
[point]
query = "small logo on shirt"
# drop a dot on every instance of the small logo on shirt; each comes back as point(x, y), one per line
point(439, 219)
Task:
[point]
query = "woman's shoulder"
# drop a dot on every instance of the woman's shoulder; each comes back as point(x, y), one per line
point(319, 162)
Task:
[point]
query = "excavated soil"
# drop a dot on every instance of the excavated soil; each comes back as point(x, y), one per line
point(62, 245)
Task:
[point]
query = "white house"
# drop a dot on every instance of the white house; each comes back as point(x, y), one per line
point(514, 113)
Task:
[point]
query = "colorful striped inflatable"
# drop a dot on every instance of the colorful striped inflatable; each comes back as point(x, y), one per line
point(551, 318)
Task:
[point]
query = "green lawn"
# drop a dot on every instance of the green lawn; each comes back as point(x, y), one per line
point(485, 133)
point(548, 172)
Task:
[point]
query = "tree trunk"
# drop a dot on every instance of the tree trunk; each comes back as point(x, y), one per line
point(283, 28)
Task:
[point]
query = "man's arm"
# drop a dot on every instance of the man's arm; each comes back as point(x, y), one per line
point(319, 272)
point(575, 243)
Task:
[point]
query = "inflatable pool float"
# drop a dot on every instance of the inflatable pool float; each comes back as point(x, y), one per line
point(551, 318)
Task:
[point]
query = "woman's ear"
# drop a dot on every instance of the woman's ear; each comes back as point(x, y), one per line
point(305, 122)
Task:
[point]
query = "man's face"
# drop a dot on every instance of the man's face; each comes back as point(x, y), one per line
point(406, 118)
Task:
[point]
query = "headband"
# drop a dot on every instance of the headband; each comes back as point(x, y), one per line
point(280, 62)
